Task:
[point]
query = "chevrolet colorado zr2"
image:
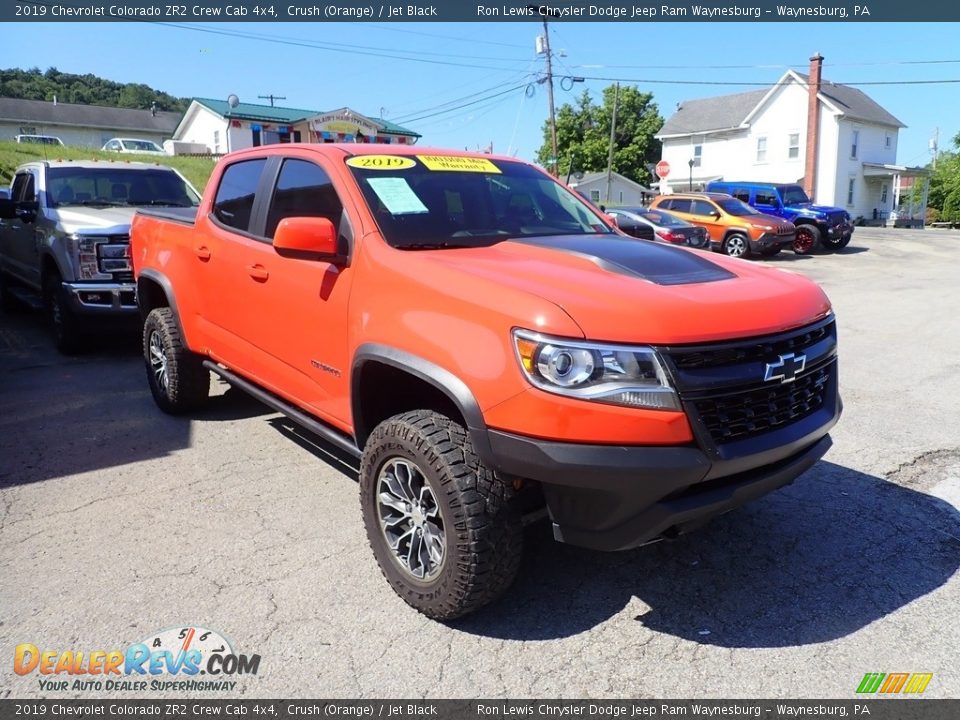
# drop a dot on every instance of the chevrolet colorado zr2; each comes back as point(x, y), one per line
point(486, 344)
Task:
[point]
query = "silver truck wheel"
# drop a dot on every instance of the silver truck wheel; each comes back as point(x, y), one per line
point(443, 528)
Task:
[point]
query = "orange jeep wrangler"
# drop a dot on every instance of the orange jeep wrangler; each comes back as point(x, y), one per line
point(486, 343)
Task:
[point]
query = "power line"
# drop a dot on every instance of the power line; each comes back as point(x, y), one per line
point(440, 106)
point(445, 37)
point(474, 102)
point(651, 81)
point(344, 48)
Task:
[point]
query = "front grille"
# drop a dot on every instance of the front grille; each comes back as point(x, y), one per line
point(744, 415)
point(759, 350)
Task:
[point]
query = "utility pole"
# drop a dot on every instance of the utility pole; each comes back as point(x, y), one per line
point(613, 132)
point(935, 146)
point(271, 98)
point(553, 116)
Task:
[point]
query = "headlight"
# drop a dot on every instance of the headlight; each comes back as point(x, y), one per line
point(767, 228)
point(617, 374)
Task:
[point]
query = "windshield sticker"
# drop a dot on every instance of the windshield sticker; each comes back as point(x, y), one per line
point(380, 162)
point(459, 164)
point(397, 196)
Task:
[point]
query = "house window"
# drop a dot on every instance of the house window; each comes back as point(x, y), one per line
point(697, 155)
point(888, 140)
point(883, 194)
point(854, 144)
point(216, 141)
point(595, 196)
point(761, 149)
point(850, 186)
point(793, 146)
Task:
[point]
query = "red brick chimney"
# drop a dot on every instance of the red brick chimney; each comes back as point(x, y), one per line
point(813, 126)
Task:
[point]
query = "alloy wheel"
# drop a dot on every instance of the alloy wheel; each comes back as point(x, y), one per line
point(158, 360)
point(410, 519)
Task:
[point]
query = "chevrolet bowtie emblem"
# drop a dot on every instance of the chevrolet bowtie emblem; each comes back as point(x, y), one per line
point(786, 368)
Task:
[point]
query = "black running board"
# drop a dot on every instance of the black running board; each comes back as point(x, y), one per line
point(329, 434)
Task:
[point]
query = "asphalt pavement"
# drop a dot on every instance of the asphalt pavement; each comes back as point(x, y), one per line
point(117, 521)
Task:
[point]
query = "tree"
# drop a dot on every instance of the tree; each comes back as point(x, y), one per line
point(87, 89)
point(583, 134)
point(944, 194)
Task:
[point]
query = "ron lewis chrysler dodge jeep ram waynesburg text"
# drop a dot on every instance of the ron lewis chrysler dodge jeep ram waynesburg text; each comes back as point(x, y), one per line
point(485, 342)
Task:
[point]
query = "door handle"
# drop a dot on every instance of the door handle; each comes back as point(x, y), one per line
point(203, 252)
point(258, 272)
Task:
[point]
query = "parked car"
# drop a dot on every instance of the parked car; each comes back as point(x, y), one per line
point(479, 366)
point(664, 226)
point(734, 227)
point(64, 240)
point(40, 139)
point(630, 224)
point(133, 145)
point(818, 226)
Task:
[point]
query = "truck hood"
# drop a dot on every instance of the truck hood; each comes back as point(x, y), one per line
point(627, 290)
point(105, 219)
point(810, 207)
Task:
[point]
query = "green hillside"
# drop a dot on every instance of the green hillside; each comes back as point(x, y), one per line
point(85, 89)
point(196, 170)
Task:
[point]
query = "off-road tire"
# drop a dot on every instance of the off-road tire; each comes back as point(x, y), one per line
point(187, 382)
point(483, 534)
point(64, 325)
point(734, 242)
point(808, 239)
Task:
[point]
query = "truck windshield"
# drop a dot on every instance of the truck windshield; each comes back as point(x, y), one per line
point(431, 201)
point(117, 185)
point(793, 195)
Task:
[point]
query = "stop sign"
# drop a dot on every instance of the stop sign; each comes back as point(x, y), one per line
point(663, 169)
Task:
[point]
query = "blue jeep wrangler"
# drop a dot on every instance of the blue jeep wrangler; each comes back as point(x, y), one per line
point(828, 228)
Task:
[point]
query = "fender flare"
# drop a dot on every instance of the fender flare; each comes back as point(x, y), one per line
point(165, 285)
point(440, 378)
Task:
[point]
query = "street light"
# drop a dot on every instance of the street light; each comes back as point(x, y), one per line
point(690, 163)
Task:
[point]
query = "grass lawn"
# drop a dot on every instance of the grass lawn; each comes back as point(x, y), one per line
point(196, 170)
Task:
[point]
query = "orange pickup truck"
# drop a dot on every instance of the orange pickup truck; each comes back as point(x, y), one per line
point(486, 344)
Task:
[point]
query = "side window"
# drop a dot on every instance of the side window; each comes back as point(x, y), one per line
point(701, 208)
point(303, 190)
point(23, 189)
point(742, 195)
point(767, 197)
point(238, 187)
point(680, 205)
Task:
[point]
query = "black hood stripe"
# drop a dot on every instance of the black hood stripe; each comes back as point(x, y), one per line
point(655, 262)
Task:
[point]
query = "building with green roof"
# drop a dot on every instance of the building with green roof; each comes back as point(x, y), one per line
point(216, 126)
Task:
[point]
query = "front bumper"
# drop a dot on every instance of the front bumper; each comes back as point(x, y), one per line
point(114, 299)
point(616, 498)
point(840, 231)
point(769, 241)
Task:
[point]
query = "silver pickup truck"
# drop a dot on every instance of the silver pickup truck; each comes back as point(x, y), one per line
point(65, 240)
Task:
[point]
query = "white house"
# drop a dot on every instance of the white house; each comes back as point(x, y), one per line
point(833, 139)
point(220, 128)
point(84, 125)
point(620, 191)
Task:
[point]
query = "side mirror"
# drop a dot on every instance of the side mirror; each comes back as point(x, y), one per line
point(8, 209)
point(315, 235)
point(715, 214)
point(27, 211)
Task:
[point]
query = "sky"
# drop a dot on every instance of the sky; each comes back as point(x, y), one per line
point(467, 85)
